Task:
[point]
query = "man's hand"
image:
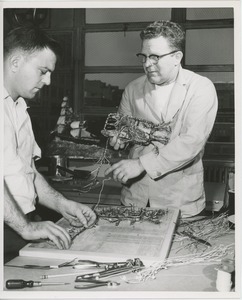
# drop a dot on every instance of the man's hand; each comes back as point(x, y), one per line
point(116, 143)
point(47, 230)
point(125, 170)
point(15, 218)
point(77, 214)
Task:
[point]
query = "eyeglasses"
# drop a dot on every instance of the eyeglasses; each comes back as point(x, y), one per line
point(153, 58)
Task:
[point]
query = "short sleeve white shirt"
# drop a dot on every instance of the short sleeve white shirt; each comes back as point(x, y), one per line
point(20, 148)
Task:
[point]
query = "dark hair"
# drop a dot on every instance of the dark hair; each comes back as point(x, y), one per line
point(30, 39)
point(173, 32)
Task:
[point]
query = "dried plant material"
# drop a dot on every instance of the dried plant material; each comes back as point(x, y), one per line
point(191, 234)
point(215, 254)
point(131, 213)
point(135, 130)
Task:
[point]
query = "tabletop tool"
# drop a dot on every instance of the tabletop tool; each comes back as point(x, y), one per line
point(93, 283)
point(20, 283)
point(77, 264)
point(82, 174)
point(115, 269)
point(195, 238)
point(107, 269)
point(33, 267)
point(65, 264)
point(81, 264)
point(107, 273)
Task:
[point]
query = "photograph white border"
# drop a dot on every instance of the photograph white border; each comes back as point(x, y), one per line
point(237, 75)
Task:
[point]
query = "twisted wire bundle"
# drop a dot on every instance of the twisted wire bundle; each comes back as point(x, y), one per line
point(103, 159)
point(207, 229)
point(214, 254)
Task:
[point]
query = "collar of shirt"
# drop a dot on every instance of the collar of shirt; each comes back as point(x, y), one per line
point(20, 101)
point(5, 94)
point(17, 108)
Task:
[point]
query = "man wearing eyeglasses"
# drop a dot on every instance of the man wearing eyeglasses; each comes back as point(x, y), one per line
point(173, 175)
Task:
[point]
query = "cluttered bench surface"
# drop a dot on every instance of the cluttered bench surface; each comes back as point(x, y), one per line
point(199, 257)
point(130, 249)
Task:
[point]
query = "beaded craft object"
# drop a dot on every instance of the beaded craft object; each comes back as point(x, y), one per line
point(135, 130)
point(133, 214)
point(74, 231)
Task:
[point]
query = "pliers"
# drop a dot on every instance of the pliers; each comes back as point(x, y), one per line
point(93, 283)
point(80, 264)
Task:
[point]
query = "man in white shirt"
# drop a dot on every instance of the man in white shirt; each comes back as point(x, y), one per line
point(29, 59)
point(173, 175)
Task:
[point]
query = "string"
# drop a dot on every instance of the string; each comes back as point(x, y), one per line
point(103, 159)
point(100, 193)
point(100, 162)
point(214, 255)
point(206, 229)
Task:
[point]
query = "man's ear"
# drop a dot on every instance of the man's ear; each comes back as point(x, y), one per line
point(178, 56)
point(14, 62)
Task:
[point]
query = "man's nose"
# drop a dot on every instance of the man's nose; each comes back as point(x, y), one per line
point(47, 78)
point(148, 62)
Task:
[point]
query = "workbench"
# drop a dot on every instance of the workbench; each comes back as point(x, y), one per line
point(188, 280)
point(197, 279)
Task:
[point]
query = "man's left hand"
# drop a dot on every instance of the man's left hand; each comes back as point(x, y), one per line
point(78, 214)
point(125, 170)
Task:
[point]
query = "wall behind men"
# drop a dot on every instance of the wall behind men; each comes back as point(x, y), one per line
point(99, 55)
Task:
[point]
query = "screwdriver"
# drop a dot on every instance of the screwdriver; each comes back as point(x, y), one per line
point(20, 283)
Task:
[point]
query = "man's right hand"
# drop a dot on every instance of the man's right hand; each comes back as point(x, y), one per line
point(47, 230)
point(116, 143)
